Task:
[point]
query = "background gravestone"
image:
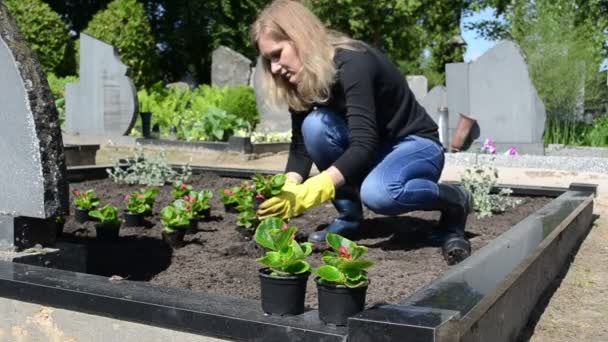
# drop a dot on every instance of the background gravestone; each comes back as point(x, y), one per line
point(437, 97)
point(104, 102)
point(497, 91)
point(229, 67)
point(271, 119)
point(33, 184)
point(419, 85)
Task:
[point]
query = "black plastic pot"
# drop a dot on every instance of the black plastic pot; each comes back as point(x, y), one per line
point(282, 295)
point(81, 215)
point(338, 302)
point(146, 117)
point(175, 240)
point(231, 208)
point(59, 228)
point(133, 220)
point(193, 227)
point(107, 233)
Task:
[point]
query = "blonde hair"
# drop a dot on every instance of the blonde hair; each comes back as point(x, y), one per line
point(289, 20)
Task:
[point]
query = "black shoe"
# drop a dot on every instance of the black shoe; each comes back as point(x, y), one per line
point(348, 222)
point(455, 204)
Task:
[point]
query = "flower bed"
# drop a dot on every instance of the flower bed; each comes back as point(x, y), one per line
point(218, 260)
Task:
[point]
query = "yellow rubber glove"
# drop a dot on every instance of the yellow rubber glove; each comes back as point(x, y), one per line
point(297, 198)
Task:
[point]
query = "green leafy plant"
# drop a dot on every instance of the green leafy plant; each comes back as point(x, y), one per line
point(199, 201)
point(268, 186)
point(174, 217)
point(107, 216)
point(180, 189)
point(286, 256)
point(86, 200)
point(343, 265)
point(136, 203)
point(149, 196)
point(142, 170)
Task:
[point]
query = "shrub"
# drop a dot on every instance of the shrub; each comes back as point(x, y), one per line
point(240, 101)
point(124, 24)
point(148, 171)
point(43, 29)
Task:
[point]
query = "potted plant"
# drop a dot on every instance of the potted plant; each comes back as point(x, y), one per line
point(109, 224)
point(200, 203)
point(283, 280)
point(136, 208)
point(175, 221)
point(229, 199)
point(342, 282)
point(247, 219)
point(267, 187)
point(180, 189)
point(85, 201)
point(186, 205)
point(149, 198)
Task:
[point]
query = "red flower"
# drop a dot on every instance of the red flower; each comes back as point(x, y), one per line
point(285, 226)
point(127, 198)
point(188, 207)
point(183, 187)
point(186, 198)
point(192, 200)
point(248, 187)
point(141, 196)
point(228, 192)
point(76, 193)
point(344, 253)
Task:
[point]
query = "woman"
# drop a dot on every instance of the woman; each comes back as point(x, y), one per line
point(355, 117)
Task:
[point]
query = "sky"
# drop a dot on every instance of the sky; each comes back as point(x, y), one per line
point(476, 45)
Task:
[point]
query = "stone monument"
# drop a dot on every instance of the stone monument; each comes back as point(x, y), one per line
point(104, 102)
point(419, 85)
point(497, 91)
point(271, 119)
point(229, 67)
point(33, 183)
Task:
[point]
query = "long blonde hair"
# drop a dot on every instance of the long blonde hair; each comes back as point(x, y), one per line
point(289, 20)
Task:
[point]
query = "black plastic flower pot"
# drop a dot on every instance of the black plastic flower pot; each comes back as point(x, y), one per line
point(338, 302)
point(81, 215)
point(193, 227)
point(231, 208)
point(176, 239)
point(133, 220)
point(146, 117)
point(282, 295)
point(107, 233)
point(59, 228)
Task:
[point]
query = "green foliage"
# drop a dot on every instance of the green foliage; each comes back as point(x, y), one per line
point(199, 201)
point(107, 216)
point(136, 203)
point(180, 189)
point(45, 32)
point(206, 113)
point(57, 85)
point(86, 200)
point(149, 196)
point(174, 218)
point(286, 256)
point(268, 186)
point(153, 171)
point(479, 180)
point(124, 24)
point(343, 265)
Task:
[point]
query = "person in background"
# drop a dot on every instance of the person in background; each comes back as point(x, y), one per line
point(353, 115)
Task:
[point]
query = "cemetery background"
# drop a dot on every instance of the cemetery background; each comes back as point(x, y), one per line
point(111, 150)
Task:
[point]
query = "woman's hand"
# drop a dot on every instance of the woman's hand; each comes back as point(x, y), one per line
point(297, 198)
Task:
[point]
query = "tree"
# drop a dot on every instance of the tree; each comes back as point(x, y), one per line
point(44, 31)
point(125, 25)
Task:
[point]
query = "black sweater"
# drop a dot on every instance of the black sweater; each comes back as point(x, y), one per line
point(374, 97)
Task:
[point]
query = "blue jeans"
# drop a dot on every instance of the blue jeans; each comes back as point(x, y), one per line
point(405, 172)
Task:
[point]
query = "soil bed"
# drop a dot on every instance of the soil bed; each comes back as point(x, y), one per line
point(217, 259)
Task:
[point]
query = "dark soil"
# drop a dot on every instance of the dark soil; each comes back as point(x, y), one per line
point(217, 259)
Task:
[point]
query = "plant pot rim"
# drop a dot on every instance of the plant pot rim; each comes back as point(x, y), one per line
point(264, 272)
point(339, 286)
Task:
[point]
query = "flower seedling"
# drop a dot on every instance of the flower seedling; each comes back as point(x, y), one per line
point(285, 256)
point(180, 190)
point(229, 196)
point(199, 201)
point(268, 186)
point(107, 216)
point(174, 217)
point(343, 265)
point(86, 200)
point(149, 196)
point(136, 203)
